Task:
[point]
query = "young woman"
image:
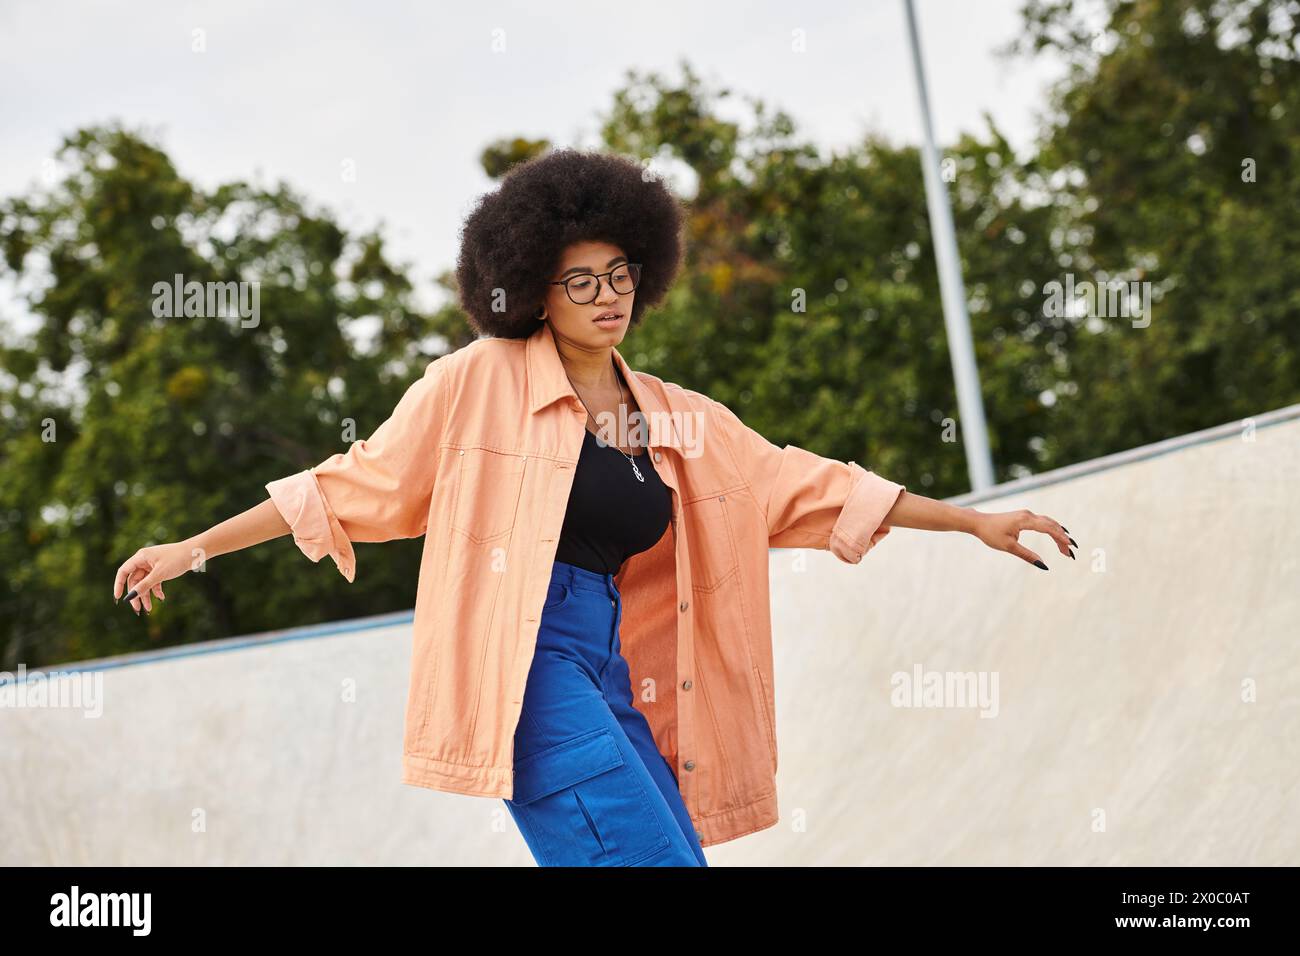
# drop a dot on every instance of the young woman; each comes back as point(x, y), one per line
point(556, 488)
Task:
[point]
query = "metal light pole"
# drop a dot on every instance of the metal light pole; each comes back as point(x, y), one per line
point(970, 404)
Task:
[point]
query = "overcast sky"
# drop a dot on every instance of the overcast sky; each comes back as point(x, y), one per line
point(409, 93)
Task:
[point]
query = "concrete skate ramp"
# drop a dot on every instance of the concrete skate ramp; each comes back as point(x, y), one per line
point(1140, 705)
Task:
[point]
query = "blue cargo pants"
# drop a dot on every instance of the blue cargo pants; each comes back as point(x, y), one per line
point(590, 786)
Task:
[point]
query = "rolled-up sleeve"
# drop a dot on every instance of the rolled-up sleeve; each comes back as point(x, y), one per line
point(379, 489)
point(810, 501)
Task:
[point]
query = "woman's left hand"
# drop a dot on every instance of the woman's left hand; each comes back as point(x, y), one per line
point(1001, 532)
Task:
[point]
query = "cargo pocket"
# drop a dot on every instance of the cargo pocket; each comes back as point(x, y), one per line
point(585, 806)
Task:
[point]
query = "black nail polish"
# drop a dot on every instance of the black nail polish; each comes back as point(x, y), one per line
point(1072, 541)
point(1039, 564)
point(129, 595)
point(1071, 555)
point(1065, 529)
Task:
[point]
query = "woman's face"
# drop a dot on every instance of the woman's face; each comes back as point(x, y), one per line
point(575, 323)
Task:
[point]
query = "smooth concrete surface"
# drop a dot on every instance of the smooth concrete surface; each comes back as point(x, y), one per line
point(1142, 702)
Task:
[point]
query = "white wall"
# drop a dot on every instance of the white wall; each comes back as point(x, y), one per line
point(1119, 692)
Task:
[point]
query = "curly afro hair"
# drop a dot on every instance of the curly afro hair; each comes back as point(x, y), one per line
point(513, 239)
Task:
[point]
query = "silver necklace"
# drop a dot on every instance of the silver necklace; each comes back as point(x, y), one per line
point(631, 461)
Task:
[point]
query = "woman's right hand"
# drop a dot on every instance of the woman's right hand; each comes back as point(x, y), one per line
point(144, 572)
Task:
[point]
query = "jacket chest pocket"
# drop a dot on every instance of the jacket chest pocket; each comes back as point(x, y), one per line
point(488, 486)
point(714, 558)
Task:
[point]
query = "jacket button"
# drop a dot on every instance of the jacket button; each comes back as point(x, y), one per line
point(699, 835)
point(689, 765)
point(685, 605)
point(722, 497)
point(686, 684)
point(462, 451)
point(656, 456)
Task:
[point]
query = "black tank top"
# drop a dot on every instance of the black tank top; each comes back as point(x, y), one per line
point(611, 515)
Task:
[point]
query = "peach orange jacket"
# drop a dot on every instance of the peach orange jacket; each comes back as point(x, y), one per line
point(479, 456)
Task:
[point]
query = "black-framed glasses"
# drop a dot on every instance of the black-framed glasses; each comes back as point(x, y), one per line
point(584, 287)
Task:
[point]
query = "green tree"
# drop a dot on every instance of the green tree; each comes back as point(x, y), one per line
point(1174, 143)
point(119, 427)
point(809, 304)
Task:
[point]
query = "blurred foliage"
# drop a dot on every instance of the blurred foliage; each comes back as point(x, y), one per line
point(809, 304)
point(1173, 154)
point(121, 428)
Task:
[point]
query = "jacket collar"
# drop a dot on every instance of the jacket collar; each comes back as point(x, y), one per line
point(548, 382)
